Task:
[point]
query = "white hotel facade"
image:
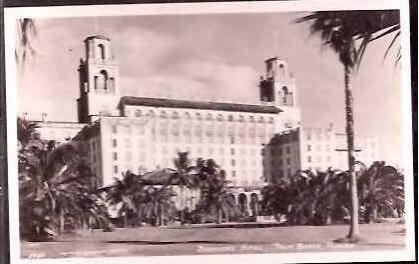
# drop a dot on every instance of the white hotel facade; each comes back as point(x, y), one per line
point(121, 133)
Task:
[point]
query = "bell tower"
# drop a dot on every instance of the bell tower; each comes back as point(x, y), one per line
point(98, 80)
point(278, 88)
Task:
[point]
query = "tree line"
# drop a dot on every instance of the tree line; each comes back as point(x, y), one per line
point(58, 193)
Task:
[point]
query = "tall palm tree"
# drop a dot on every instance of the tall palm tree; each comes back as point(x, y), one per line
point(348, 33)
point(215, 190)
point(158, 207)
point(183, 177)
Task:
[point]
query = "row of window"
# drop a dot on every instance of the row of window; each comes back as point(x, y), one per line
point(319, 136)
point(198, 116)
point(318, 147)
point(318, 159)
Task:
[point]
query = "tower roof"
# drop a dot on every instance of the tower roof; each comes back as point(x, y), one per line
point(97, 37)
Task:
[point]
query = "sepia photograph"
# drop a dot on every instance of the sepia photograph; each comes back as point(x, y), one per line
point(278, 131)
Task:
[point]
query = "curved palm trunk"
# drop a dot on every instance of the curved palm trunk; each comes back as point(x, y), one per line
point(354, 228)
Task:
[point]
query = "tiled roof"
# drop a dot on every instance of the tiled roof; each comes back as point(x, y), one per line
point(174, 103)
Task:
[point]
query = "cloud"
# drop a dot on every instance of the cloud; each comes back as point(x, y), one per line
point(145, 51)
point(198, 80)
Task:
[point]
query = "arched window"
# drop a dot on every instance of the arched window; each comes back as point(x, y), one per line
point(151, 113)
point(220, 117)
point(230, 118)
point(271, 120)
point(103, 79)
point(175, 115)
point(137, 113)
point(251, 119)
point(198, 116)
point(261, 119)
point(241, 119)
point(96, 83)
point(111, 84)
point(209, 117)
point(102, 51)
point(188, 116)
point(163, 114)
point(285, 89)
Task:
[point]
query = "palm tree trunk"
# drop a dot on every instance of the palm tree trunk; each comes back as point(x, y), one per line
point(219, 215)
point(182, 209)
point(61, 227)
point(354, 228)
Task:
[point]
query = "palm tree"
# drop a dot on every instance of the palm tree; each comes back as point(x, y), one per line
point(381, 191)
point(54, 184)
point(127, 193)
point(183, 177)
point(215, 190)
point(348, 34)
point(26, 33)
point(158, 205)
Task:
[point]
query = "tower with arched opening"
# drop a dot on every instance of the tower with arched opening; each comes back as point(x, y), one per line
point(98, 75)
point(278, 88)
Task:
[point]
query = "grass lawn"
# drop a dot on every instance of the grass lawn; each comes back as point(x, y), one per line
point(159, 241)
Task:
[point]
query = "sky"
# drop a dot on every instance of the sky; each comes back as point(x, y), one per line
point(215, 58)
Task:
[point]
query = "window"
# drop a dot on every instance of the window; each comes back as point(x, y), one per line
point(175, 115)
point(280, 151)
point(198, 116)
point(220, 118)
point(271, 120)
point(137, 113)
point(308, 159)
point(114, 143)
point(288, 161)
point(114, 130)
point(231, 140)
point(115, 169)
point(163, 114)
point(233, 162)
point(233, 173)
point(103, 80)
point(230, 118)
point(102, 51)
point(289, 172)
point(187, 116)
point(209, 117)
point(308, 136)
point(115, 155)
point(232, 151)
point(308, 147)
point(288, 150)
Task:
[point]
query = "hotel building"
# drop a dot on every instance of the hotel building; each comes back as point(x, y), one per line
point(253, 143)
